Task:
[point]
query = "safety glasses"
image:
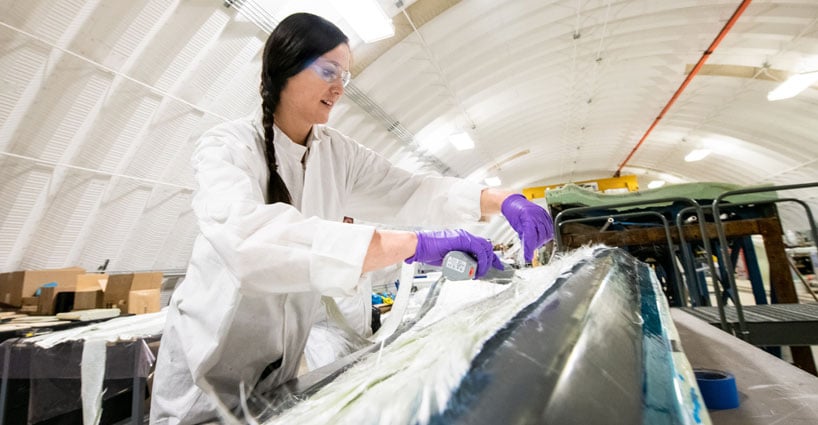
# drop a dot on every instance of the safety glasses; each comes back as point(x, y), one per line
point(330, 71)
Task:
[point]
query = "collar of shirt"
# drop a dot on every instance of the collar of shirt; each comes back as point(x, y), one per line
point(282, 141)
point(285, 146)
point(292, 160)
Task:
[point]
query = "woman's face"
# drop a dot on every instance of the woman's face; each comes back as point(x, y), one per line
point(310, 95)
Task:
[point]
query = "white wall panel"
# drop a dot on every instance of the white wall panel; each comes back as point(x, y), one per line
point(115, 29)
point(148, 239)
point(178, 241)
point(60, 218)
point(114, 224)
point(22, 65)
point(62, 107)
point(21, 183)
point(49, 20)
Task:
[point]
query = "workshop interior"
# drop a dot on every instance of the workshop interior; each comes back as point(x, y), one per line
point(672, 143)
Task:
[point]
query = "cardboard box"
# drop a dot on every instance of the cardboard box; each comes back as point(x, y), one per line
point(135, 293)
point(90, 291)
point(87, 300)
point(91, 282)
point(116, 291)
point(30, 305)
point(45, 302)
point(14, 286)
point(145, 293)
point(29, 301)
point(143, 301)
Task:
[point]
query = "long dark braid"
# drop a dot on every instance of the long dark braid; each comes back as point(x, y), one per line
point(292, 46)
point(276, 189)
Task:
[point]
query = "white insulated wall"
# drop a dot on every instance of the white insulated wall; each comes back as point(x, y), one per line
point(100, 106)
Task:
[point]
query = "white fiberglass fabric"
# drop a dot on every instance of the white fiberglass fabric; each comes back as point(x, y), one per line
point(118, 329)
point(413, 378)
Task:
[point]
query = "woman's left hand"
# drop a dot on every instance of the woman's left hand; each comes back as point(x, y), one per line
point(531, 221)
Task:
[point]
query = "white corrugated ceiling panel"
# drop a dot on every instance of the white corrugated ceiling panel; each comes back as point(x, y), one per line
point(101, 103)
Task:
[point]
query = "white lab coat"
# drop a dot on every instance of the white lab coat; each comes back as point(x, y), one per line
point(257, 271)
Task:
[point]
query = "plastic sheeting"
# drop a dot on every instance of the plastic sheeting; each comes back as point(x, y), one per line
point(40, 384)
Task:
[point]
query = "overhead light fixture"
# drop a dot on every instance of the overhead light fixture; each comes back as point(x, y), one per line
point(793, 85)
point(493, 181)
point(655, 184)
point(367, 18)
point(697, 155)
point(461, 141)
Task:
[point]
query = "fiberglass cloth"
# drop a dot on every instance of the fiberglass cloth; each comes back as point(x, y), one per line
point(413, 378)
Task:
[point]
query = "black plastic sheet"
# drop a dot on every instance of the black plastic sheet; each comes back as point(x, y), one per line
point(40, 384)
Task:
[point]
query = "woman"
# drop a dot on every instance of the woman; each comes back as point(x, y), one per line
point(272, 194)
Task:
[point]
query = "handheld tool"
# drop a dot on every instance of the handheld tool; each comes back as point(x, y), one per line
point(458, 265)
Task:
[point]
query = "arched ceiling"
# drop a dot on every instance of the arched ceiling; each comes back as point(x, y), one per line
point(568, 88)
point(101, 102)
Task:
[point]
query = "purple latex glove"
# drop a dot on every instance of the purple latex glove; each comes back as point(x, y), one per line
point(531, 221)
point(434, 245)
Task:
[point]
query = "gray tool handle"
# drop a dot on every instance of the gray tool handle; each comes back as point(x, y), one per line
point(458, 265)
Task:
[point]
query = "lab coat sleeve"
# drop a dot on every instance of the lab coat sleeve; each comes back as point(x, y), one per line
point(269, 248)
point(394, 195)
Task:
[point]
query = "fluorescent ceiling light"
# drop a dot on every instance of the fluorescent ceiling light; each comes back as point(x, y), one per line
point(461, 141)
point(493, 181)
point(697, 155)
point(656, 184)
point(367, 18)
point(794, 85)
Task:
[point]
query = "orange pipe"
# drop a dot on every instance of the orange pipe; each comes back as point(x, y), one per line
point(687, 80)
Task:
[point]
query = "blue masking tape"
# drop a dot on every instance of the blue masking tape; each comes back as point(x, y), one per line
point(718, 388)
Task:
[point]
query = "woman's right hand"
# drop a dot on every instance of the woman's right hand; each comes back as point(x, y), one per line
point(434, 245)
